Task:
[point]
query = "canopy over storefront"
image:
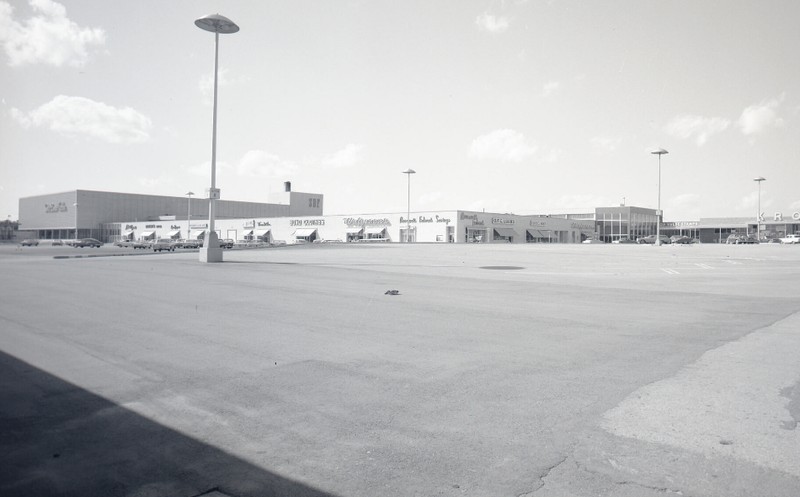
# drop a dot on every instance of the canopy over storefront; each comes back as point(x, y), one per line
point(174, 234)
point(309, 233)
point(148, 234)
point(505, 232)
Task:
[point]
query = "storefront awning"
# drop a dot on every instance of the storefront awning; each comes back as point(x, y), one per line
point(354, 231)
point(375, 231)
point(505, 232)
point(304, 232)
point(247, 232)
point(148, 234)
point(174, 233)
point(128, 233)
point(262, 232)
point(196, 234)
point(539, 233)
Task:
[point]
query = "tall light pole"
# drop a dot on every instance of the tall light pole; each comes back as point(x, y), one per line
point(409, 172)
point(659, 153)
point(215, 23)
point(758, 214)
point(189, 215)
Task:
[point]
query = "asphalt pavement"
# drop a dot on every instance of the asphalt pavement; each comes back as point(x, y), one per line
point(490, 370)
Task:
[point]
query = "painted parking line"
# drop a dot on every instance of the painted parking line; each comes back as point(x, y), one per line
point(703, 266)
point(669, 271)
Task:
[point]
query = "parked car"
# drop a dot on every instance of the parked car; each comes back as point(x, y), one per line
point(187, 244)
point(651, 239)
point(593, 240)
point(164, 244)
point(680, 239)
point(58, 243)
point(793, 238)
point(87, 242)
point(226, 243)
point(623, 239)
point(741, 239)
point(28, 242)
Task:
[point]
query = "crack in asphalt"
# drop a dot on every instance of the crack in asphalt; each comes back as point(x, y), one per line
point(544, 475)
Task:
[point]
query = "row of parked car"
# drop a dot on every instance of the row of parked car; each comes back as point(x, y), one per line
point(80, 243)
point(168, 244)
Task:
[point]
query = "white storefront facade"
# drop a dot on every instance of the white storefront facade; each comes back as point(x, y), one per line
point(421, 227)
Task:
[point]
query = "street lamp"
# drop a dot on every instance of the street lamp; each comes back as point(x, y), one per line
point(409, 172)
point(758, 214)
point(215, 23)
point(659, 153)
point(189, 215)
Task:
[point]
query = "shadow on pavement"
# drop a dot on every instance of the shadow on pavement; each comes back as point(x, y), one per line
point(59, 439)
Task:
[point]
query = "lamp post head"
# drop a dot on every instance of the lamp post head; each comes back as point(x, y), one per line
point(189, 193)
point(409, 171)
point(659, 151)
point(217, 24)
point(760, 179)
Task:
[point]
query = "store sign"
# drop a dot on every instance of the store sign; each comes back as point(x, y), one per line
point(582, 226)
point(539, 223)
point(130, 227)
point(53, 208)
point(153, 226)
point(306, 222)
point(406, 221)
point(174, 227)
point(352, 221)
point(500, 220)
point(779, 216)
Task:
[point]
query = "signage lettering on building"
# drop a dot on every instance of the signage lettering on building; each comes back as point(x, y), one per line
point(468, 217)
point(500, 220)
point(306, 222)
point(406, 221)
point(199, 226)
point(779, 216)
point(582, 226)
point(153, 226)
point(52, 208)
point(264, 223)
point(538, 223)
point(352, 221)
point(174, 227)
point(130, 226)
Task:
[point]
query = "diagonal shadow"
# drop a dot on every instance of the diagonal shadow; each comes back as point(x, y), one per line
point(57, 439)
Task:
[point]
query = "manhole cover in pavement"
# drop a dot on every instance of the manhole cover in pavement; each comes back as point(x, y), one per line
point(502, 268)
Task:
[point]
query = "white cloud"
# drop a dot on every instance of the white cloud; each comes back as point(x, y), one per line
point(349, 156)
point(697, 127)
point(605, 143)
point(224, 78)
point(550, 88)
point(757, 118)
point(554, 156)
point(262, 164)
point(749, 203)
point(82, 116)
point(579, 203)
point(502, 144)
point(48, 37)
point(490, 23)
point(795, 205)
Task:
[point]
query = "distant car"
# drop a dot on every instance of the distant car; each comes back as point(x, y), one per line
point(164, 244)
point(593, 240)
point(623, 239)
point(29, 243)
point(58, 243)
point(187, 244)
point(87, 242)
point(226, 243)
point(680, 239)
point(651, 239)
point(793, 238)
point(741, 239)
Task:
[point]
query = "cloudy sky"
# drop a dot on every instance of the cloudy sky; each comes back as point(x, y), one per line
point(509, 106)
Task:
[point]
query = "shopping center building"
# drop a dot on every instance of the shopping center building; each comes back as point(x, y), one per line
point(298, 217)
